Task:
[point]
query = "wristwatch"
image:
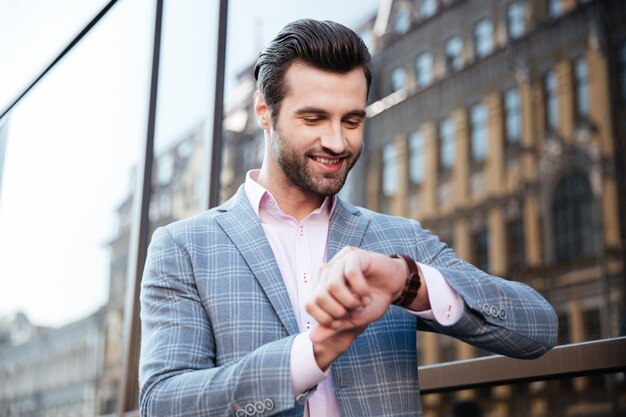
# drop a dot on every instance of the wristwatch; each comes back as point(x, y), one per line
point(413, 282)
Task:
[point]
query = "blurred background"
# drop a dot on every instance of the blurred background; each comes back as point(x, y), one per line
point(499, 124)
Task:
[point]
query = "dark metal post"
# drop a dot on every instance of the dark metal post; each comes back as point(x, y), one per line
point(218, 108)
point(138, 245)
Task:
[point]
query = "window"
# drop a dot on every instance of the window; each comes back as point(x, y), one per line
point(424, 67)
point(581, 73)
point(513, 117)
point(555, 8)
point(481, 249)
point(390, 170)
point(552, 104)
point(622, 71)
point(515, 244)
point(416, 152)
point(483, 38)
point(515, 17)
point(478, 127)
point(398, 76)
point(454, 54)
point(446, 145)
point(573, 218)
point(428, 8)
point(402, 20)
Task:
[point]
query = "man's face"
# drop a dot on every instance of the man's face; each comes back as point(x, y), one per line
point(318, 134)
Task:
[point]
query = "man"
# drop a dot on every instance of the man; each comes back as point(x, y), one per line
point(285, 300)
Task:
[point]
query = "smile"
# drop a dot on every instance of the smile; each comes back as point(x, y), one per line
point(326, 161)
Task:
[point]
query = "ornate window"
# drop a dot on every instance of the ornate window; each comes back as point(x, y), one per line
point(515, 17)
point(424, 69)
point(446, 145)
point(574, 224)
point(483, 38)
point(512, 117)
point(480, 247)
point(478, 129)
point(428, 8)
point(581, 73)
point(416, 152)
point(398, 76)
point(515, 244)
point(454, 54)
point(390, 169)
point(552, 102)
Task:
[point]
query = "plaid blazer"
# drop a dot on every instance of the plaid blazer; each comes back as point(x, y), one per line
point(217, 324)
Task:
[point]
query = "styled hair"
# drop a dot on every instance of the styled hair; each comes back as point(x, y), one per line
point(323, 45)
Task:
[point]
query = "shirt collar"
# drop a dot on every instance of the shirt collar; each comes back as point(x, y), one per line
point(257, 195)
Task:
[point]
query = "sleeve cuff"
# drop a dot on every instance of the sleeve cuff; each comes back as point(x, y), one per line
point(305, 374)
point(446, 305)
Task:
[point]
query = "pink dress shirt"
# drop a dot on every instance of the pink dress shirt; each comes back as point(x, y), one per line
point(300, 251)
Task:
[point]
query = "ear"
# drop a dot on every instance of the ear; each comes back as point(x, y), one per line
point(262, 111)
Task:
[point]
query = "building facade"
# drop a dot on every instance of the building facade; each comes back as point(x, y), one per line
point(499, 126)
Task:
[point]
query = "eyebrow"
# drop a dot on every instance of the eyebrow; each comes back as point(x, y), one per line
point(314, 110)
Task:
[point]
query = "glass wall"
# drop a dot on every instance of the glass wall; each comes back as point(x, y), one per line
point(71, 159)
point(67, 174)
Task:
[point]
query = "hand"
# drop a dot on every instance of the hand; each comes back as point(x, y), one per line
point(354, 289)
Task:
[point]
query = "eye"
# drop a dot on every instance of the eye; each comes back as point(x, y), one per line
point(352, 123)
point(311, 120)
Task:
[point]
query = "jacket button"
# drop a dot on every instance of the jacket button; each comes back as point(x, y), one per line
point(241, 413)
point(485, 308)
point(502, 314)
point(494, 311)
point(269, 404)
point(250, 410)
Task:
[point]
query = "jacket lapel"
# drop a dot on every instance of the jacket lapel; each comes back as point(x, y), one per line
point(347, 227)
point(242, 226)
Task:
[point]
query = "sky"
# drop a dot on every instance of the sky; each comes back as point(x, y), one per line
point(73, 139)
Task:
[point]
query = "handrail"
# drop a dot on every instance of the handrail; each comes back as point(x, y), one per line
point(579, 359)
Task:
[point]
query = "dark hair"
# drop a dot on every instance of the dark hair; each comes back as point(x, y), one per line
point(324, 45)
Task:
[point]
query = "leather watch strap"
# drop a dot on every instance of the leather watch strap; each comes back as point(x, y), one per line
point(413, 282)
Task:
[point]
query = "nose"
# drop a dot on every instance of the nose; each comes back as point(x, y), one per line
point(333, 140)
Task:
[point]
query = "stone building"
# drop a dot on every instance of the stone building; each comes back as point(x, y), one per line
point(500, 126)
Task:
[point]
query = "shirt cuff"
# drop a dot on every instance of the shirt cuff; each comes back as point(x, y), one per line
point(446, 306)
point(305, 373)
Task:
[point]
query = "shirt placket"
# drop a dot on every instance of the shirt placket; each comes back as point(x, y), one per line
point(304, 274)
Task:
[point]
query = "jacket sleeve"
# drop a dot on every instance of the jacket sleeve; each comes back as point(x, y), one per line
point(501, 316)
point(179, 375)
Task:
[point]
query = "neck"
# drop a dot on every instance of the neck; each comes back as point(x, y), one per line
point(291, 199)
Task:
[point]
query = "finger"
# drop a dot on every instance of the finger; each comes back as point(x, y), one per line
point(319, 333)
point(320, 310)
point(339, 288)
point(354, 276)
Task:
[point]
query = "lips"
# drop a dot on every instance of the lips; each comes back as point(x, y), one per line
point(328, 164)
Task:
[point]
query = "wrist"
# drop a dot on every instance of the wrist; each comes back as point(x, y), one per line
point(412, 283)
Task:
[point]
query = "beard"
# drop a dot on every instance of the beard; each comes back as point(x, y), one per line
point(294, 164)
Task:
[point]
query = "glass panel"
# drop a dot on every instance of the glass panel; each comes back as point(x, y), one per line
point(416, 163)
point(71, 144)
point(390, 169)
point(483, 38)
point(424, 66)
point(513, 117)
point(446, 145)
point(428, 8)
point(398, 76)
point(552, 103)
point(34, 33)
point(454, 54)
point(516, 19)
point(582, 87)
point(478, 121)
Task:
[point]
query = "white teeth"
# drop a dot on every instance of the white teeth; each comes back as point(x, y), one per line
point(326, 161)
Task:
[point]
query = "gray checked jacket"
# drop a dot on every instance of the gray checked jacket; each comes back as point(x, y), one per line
point(217, 324)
